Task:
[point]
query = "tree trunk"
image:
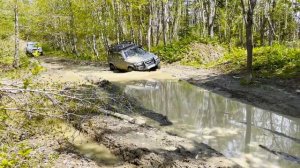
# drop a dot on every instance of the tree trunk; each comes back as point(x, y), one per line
point(211, 13)
point(16, 63)
point(95, 46)
point(248, 17)
point(249, 44)
point(163, 7)
point(158, 24)
point(212, 18)
point(140, 41)
point(72, 27)
point(187, 19)
point(130, 23)
point(149, 27)
point(176, 19)
point(272, 33)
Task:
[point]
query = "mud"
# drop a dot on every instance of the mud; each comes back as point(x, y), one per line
point(145, 146)
point(60, 70)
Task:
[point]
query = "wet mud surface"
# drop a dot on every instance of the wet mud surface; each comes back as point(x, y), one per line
point(145, 146)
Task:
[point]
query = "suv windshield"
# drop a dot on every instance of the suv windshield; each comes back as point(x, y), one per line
point(134, 52)
point(32, 45)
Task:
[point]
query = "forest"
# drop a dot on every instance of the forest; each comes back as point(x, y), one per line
point(86, 28)
point(226, 95)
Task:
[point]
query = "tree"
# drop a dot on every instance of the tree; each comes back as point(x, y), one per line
point(16, 63)
point(248, 12)
point(211, 14)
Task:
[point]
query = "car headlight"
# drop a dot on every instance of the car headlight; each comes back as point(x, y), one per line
point(139, 64)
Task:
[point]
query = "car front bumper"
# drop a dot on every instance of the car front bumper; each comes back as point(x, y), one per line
point(146, 66)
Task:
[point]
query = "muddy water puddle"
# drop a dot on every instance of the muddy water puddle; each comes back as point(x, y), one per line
point(250, 136)
point(86, 146)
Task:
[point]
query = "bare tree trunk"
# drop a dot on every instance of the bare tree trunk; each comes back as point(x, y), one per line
point(272, 33)
point(248, 17)
point(130, 22)
point(187, 17)
point(140, 29)
point(158, 24)
point(72, 27)
point(163, 7)
point(16, 63)
point(262, 21)
point(176, 20)
point(149, 26)
point(95, 46)
point(211, 17)
point(62, 43)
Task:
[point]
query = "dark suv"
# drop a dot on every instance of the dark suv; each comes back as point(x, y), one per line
point(129, 56)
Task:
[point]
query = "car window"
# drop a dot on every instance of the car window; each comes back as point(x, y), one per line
point(117, 55)
point(134, 52)
point(31, 45)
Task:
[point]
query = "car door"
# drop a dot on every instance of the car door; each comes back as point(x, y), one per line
point(119, 61)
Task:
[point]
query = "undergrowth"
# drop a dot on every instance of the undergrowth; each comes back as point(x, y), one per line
point(83, 54)
point(177, 51)
point(269, 61)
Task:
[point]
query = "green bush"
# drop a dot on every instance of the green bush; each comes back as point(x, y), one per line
point(177, 50)
point(172, 52)
point(271, 61)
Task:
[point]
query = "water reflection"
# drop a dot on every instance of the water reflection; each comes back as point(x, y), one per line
point(233, 128)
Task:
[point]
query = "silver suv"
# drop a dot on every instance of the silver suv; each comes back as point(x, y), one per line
point(128, 56)
point(32, 48)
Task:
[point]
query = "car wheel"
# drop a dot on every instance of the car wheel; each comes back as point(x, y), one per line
point(156, 68)
point(112, 67)
point(130, 69)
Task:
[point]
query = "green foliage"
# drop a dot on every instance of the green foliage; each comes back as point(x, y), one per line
point(36, 53)
point(272, 61)
point(172, 52)
point(36, 68)
point(6, 52)
point(18, 156)
point(7, 55)
point(26, 83)
point(181, 49)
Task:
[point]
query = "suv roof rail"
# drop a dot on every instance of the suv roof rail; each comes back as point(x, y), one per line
point(120, 46)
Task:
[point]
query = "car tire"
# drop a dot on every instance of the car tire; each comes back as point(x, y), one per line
point(130, 69)
point(112, 67)
point(156, 68)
